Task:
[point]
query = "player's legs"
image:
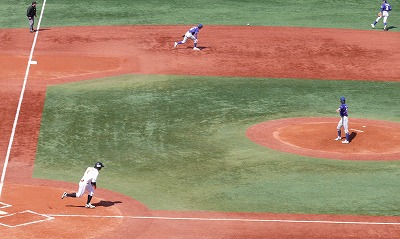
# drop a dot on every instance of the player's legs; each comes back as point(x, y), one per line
point(339, 126)
point(385, 17)
point(346, 127)
point(81, 189)
point(345, 121)
point(90, 190)
point(31, 24)
point(185, 38)
point(78, 194)
point(195, 43)
point(180, 42)
point(376, 21)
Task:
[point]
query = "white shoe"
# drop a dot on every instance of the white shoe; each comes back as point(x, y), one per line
point(196, 49)
point(338, 138)
point(372, 25)
point(64, 195)
point(89, 206)
point(175, 44)
point(345, 142)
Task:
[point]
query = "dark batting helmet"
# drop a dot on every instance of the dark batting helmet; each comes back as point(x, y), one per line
point(200, 26)
point(99, 165)
point(342, 99)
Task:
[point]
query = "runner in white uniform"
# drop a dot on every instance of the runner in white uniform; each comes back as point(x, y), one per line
point(87, 183)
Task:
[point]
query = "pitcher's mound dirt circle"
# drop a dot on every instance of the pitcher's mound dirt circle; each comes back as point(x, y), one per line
point(314, 137)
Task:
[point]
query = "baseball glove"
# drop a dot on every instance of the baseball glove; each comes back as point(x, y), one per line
point(379, 14)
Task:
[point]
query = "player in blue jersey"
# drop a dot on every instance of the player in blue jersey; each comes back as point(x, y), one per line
point(191, 34)
point(344, 120)
point(384, 12)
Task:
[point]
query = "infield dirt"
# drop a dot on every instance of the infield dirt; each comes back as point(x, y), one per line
point(68, 54)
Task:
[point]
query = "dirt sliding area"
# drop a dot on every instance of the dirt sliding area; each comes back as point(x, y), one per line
point(32, 208)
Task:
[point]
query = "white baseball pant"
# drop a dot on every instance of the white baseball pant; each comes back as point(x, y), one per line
point(385, 16)
point(83, 186)
point(344, 121)
point(187, 36)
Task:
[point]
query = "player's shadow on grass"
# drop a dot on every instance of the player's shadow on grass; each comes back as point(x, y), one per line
point(391, 27)
point(352, 136)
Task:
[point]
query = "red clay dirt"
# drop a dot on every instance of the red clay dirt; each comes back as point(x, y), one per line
point(68, 54)
point(314, 137)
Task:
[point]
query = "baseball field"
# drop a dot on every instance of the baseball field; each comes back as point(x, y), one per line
point(233, 141)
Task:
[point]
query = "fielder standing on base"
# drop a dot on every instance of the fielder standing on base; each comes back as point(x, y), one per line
point(31, 14)
point(191, 34)
point(344, 121)
point(88, 182)
point(384, 12)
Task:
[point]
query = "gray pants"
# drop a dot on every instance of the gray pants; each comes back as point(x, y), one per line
point(31, 23)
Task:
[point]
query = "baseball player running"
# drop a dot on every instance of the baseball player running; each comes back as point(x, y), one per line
point(191, 34)
point(384, 12)
point(344, 120)
point(88, 182)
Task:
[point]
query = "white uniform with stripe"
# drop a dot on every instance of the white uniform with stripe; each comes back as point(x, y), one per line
point(89, 177)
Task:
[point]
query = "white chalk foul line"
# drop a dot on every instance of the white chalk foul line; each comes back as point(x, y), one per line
point(21, 97)
point(357, 130)
point(231, 219)
point(46, 218)
point(4, 205)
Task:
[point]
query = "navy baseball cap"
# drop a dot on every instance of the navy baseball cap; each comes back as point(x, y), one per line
point(99, 165)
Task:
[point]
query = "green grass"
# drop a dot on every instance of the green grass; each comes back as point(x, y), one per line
point(178, 143)
point(357, 14)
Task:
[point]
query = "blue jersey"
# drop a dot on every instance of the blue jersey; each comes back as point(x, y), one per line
point(194, 30)
point(343, 110)
point(386, 7)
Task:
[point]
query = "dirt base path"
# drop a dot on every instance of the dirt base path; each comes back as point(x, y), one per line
point(67, 54)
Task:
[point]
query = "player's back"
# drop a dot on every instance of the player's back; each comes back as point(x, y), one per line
point(194, 30)
point(386, 7)
point(90, 175)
